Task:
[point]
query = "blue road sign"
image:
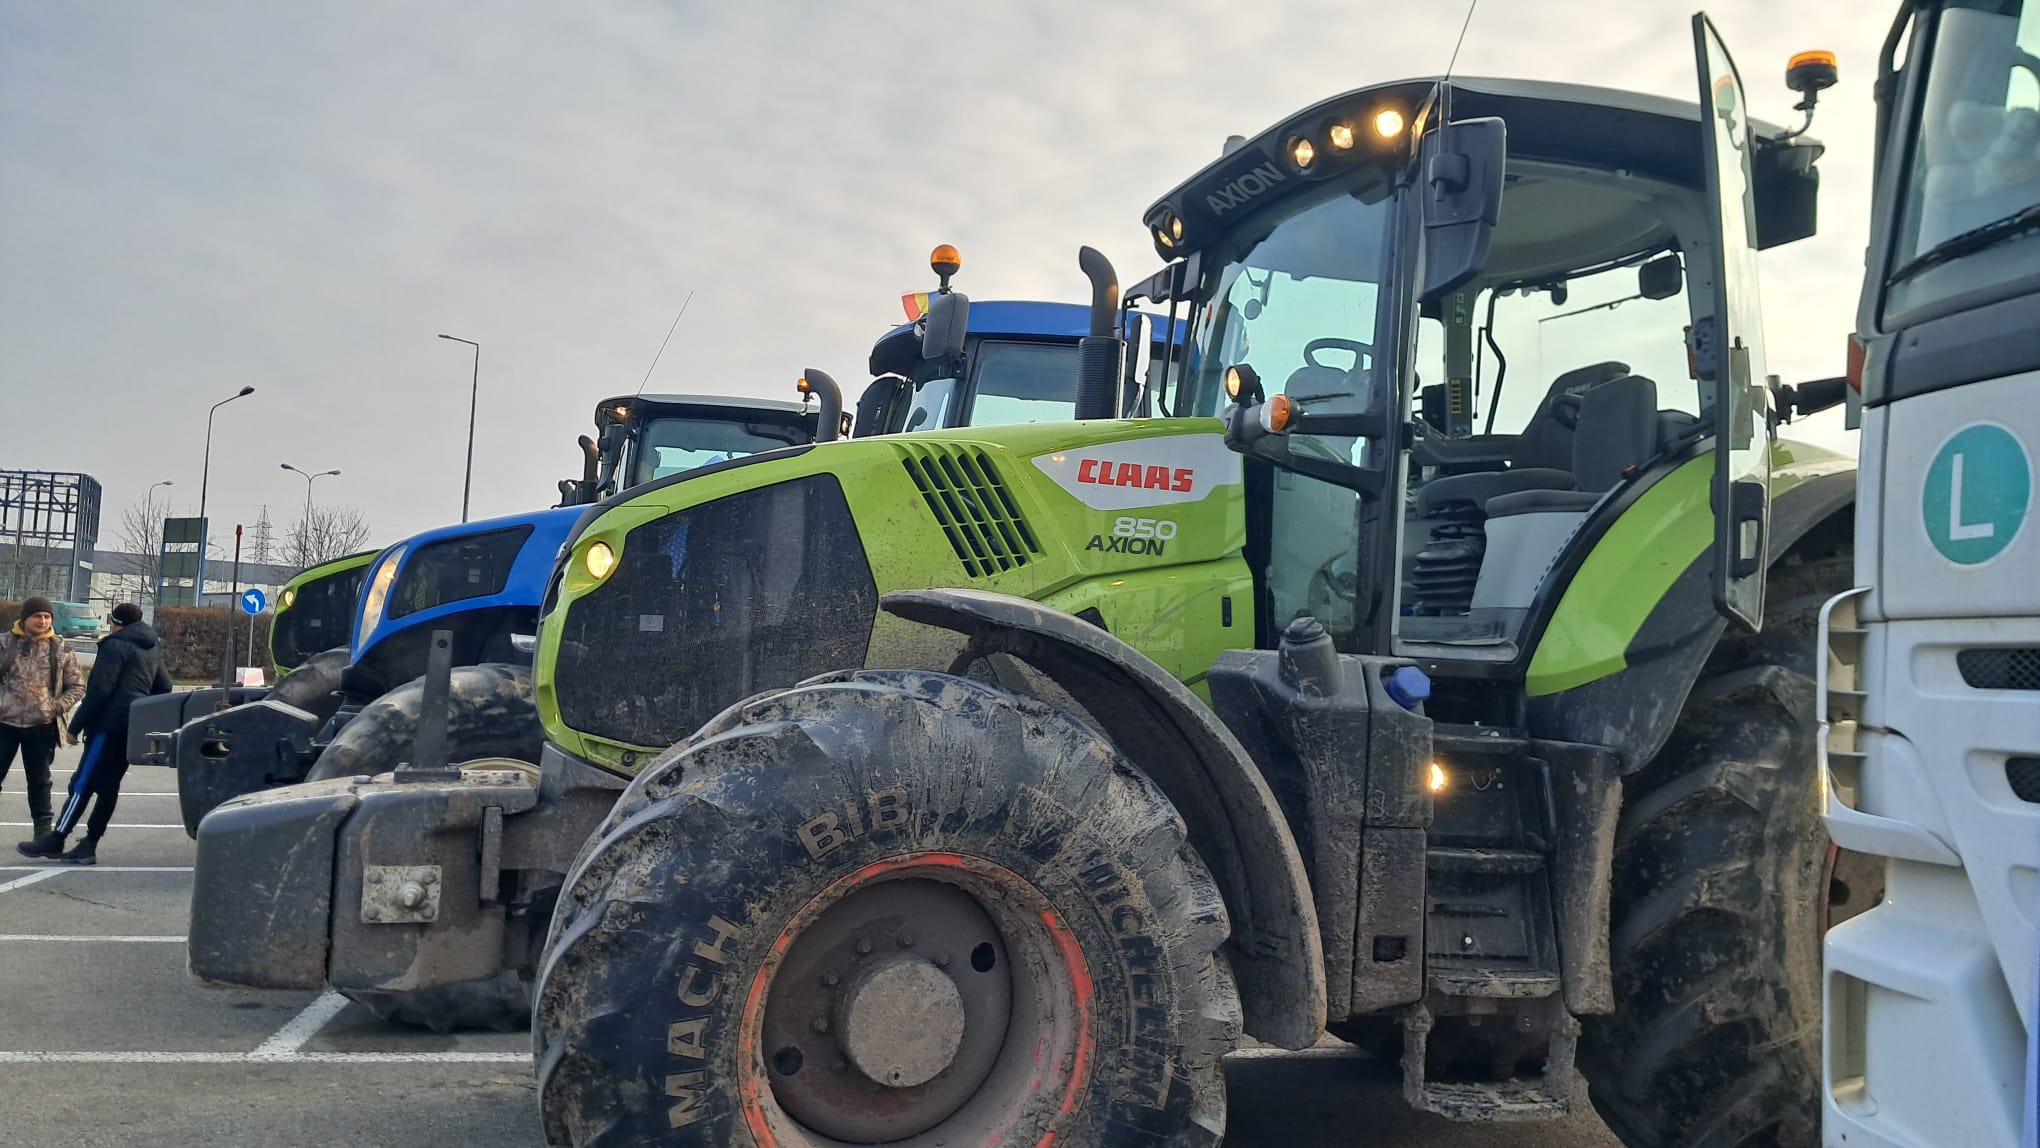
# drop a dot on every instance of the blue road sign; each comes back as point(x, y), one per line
point(252, 601)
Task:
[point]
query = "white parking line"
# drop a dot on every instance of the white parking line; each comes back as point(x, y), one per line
point(19, 882)
point(31, 825)
point(54, 869)
point(287, 1040)
point(251, 1058)
point(126, 940)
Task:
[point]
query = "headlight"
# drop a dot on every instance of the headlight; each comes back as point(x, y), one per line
point(288, 600)
point(598, 560)
point(379, 590)
point(1388, 123)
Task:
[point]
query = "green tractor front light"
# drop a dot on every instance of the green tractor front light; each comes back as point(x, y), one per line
point(599, 559)
point(288, 599)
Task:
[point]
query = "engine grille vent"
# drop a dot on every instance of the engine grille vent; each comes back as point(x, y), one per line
point(976, 510)
point(2024, 774)
point(2000, 668)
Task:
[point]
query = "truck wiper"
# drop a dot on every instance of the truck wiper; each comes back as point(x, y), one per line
point(2022, 222)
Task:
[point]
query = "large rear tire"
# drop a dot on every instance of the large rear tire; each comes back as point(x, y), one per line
point(491, 714)
point(313, 686)
point(889, 906)
point(1720, 897)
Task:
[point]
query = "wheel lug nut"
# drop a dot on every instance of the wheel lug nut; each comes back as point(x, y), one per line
point(820, 1024)
point(906, 940)
point(830, 979)
point(863, 947)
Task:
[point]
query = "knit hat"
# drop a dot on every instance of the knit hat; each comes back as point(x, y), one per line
point(36, 604)
point(126, 614)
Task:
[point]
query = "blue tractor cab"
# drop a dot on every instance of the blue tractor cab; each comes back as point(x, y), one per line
point(959, 362)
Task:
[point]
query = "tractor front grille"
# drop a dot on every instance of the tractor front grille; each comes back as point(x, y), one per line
point(2000, 668)
point(976, 510)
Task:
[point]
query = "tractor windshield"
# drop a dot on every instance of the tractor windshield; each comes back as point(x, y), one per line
point(668, 446)
point(1300, 300)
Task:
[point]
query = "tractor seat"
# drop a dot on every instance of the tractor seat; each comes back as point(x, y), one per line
point(1617, 431)
point(1539, 458)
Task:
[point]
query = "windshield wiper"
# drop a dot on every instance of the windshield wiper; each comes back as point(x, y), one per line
point(2022, 222)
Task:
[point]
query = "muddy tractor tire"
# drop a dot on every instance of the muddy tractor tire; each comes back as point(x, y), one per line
point(1720, 898)
point(313, 686)
point(490, 714)
point(887, 907)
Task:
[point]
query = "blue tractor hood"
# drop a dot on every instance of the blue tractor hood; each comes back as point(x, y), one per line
point(484, 581)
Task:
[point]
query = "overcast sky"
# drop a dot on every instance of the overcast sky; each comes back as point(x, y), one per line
point(299, 196)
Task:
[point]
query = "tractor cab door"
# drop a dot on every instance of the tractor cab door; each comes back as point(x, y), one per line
point(1728, 344)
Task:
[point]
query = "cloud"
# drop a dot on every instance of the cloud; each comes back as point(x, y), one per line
point(301, 198)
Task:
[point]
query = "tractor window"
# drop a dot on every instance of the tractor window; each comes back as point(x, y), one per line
point(1023, 383)
point(934, 400)
point(1976, 157)
point(456, 569)
point(670, 446)
point(1540, 333)
point(1301, 302)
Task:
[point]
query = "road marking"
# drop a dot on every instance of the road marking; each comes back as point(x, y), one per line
point(41, 874)
point(31, 825)
point(251, 1058)
point(287, 1040)
point(94, 937)
point(54, 869)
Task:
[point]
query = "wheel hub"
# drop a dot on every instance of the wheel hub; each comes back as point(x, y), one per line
point(888, 1011)
point(903, 1023)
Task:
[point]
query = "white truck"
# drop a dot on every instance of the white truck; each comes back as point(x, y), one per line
point(1931, 718)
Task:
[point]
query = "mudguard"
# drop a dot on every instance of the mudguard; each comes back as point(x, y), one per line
point(1234, 822)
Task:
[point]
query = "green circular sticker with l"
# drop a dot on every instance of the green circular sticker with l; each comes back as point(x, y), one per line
point(1978, 490)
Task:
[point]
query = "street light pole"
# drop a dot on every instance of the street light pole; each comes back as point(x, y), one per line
point(474, 391)
point(305, 525)
point(204, 481)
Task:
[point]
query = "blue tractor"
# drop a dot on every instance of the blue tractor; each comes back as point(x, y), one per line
point(481, 582)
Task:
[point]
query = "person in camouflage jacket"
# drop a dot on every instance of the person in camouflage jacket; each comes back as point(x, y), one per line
point(39, 683)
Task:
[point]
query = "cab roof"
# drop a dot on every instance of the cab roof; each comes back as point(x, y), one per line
point(701, 406)
point(1576, 124)
point(898, 349)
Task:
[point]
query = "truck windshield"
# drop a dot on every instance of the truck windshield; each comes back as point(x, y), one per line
point(1970, 217)
point(1300, 300)
point(669, 446)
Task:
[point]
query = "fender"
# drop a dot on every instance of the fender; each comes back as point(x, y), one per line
point(1234, 822)
point(1633, 711)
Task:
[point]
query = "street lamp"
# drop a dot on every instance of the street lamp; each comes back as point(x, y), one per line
point(474, 389)
point(204, 480)
point(149, 499)
point(306, 526)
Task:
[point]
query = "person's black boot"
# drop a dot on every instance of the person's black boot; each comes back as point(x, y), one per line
point(43, 825)
point(83, 853)
point(49, 845)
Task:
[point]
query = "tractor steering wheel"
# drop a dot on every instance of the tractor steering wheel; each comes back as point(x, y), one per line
point(1361, 351)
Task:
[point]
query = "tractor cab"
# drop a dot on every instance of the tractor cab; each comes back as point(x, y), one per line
point(1463, 326)
point(958, 363)
point(644, 438)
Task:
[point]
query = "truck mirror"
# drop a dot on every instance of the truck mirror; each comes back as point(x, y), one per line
point(1462, 194)
point(943, 328)
point(1661, 278)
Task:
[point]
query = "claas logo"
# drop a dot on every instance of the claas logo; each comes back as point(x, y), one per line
point(1104, 472)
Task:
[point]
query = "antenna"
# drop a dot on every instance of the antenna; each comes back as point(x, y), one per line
point(1456, 44)
point(666, 340)
point(1445, 84)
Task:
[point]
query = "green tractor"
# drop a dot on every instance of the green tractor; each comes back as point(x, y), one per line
point(989, 785)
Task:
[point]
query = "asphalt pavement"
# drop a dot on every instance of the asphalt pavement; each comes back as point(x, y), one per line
point(105, 1039)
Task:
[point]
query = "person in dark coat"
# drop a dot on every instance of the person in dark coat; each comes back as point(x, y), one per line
point(129, 667)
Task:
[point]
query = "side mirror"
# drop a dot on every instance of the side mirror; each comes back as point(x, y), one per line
point(879, 405)
point(1461, 167)
point(1661, 278)
point(944, 327)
